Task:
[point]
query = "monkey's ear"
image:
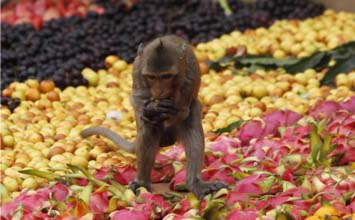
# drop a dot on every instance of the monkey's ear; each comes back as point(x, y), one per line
point(183, 47)
point(140, 49)
point(160, 45)
point(182, 50)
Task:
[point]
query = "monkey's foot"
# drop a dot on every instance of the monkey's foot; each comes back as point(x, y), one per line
point(201, 189)
point(134, 186)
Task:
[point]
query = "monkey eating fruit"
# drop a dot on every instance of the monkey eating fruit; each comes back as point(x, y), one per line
point(166, 80)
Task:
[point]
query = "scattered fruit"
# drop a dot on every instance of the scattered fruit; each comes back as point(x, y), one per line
point(276, 139)
point(63, 47)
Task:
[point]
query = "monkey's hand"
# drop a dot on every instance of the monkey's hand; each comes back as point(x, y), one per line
point(202, 188)
point(155, 112)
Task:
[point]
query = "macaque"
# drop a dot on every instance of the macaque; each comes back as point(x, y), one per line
point(166, 80)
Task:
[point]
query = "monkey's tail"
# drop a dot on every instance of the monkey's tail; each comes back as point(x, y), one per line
point(116, 138)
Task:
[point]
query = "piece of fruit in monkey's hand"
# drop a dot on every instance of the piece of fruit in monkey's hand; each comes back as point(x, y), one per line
point(156, 111)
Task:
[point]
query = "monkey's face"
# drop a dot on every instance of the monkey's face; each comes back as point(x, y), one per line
point(161, 85)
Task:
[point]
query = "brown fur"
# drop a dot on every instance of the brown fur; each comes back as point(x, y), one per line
point(165, 72)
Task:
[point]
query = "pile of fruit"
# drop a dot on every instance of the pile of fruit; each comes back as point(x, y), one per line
point(279, 132)
point(53, 52)
point(36, 12)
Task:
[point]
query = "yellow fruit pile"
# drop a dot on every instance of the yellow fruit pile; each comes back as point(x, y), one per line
point(285, 37)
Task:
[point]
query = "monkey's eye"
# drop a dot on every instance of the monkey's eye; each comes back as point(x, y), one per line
point(167, 76)
point(150, 77)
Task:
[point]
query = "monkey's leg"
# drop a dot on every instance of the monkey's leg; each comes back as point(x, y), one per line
point(147, 145)
point(191, 135)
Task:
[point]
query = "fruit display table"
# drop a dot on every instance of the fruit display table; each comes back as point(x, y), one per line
point(278, 104)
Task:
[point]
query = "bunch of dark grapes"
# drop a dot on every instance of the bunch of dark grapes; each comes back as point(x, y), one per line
point(63, 47)
point(289, 9)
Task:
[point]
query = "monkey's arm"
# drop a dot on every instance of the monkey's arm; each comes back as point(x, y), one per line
point(188, 92)
point(116, 138)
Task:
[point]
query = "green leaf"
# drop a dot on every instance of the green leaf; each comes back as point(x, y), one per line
point(286, 185)
point(221, 64)
point(239, 175)
point(212, 210)
point(341, 66)
point(88, 175)
point(307, 184)
point(322, 125)
point(193, 200)
point(343, 51)
point(220, 193)
point(254, 67)
point(267, 184)
point(42, 174)
point(230, 127)
point(293, 158)
point(181, 187)
point(76, 168)
point(18, 213)
point(117, 186)
point(224, 4)
point(327, 146)
point(281, 130)
point(319, 186)
point(316, 61)
point(316, 144)
point(86, 193)
point(265, 61)
point(337, 157)
point(284, 216)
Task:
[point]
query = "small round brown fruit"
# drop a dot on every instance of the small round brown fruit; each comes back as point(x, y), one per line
point(53, 96)
point(7, 92)
point(203, 68)
point(231, 51)
point(32, 94)
point(55, 151)
point(110, 60)
point(260, 105)
point(8, 141)
point(46, 86)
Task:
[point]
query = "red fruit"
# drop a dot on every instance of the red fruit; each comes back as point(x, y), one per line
point(39, 7)
point(349, 105)
point(61, 8)
point(37, 22)
point(59, 191)
point(98, 202)
point(129, 214)
point(22, 10)
point(22, 20)
point(250, 185)
point(96, 9)
point(5, 14)
point(82, 10)
point(50, 14)
point(231, 51)
point(238, 214)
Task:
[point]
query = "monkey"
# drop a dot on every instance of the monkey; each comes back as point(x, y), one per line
point(166, 81)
